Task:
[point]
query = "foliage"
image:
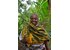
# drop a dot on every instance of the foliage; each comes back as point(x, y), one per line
point(40, 7)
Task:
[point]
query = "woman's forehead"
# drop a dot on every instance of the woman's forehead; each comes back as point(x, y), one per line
point(34, 16)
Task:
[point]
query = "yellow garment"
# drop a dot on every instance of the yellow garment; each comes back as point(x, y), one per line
point(31, 37)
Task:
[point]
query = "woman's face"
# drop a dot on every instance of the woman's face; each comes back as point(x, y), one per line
point(34, 19)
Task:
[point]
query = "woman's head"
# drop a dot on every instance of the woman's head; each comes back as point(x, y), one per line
point(34, 19)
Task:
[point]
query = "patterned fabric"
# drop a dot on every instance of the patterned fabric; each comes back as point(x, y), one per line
point(34, 34)
point(34, 47)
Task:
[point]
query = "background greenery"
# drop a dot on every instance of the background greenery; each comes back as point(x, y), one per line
point(27, 7)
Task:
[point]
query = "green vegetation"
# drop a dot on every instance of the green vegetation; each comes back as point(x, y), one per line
point(40, 7)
